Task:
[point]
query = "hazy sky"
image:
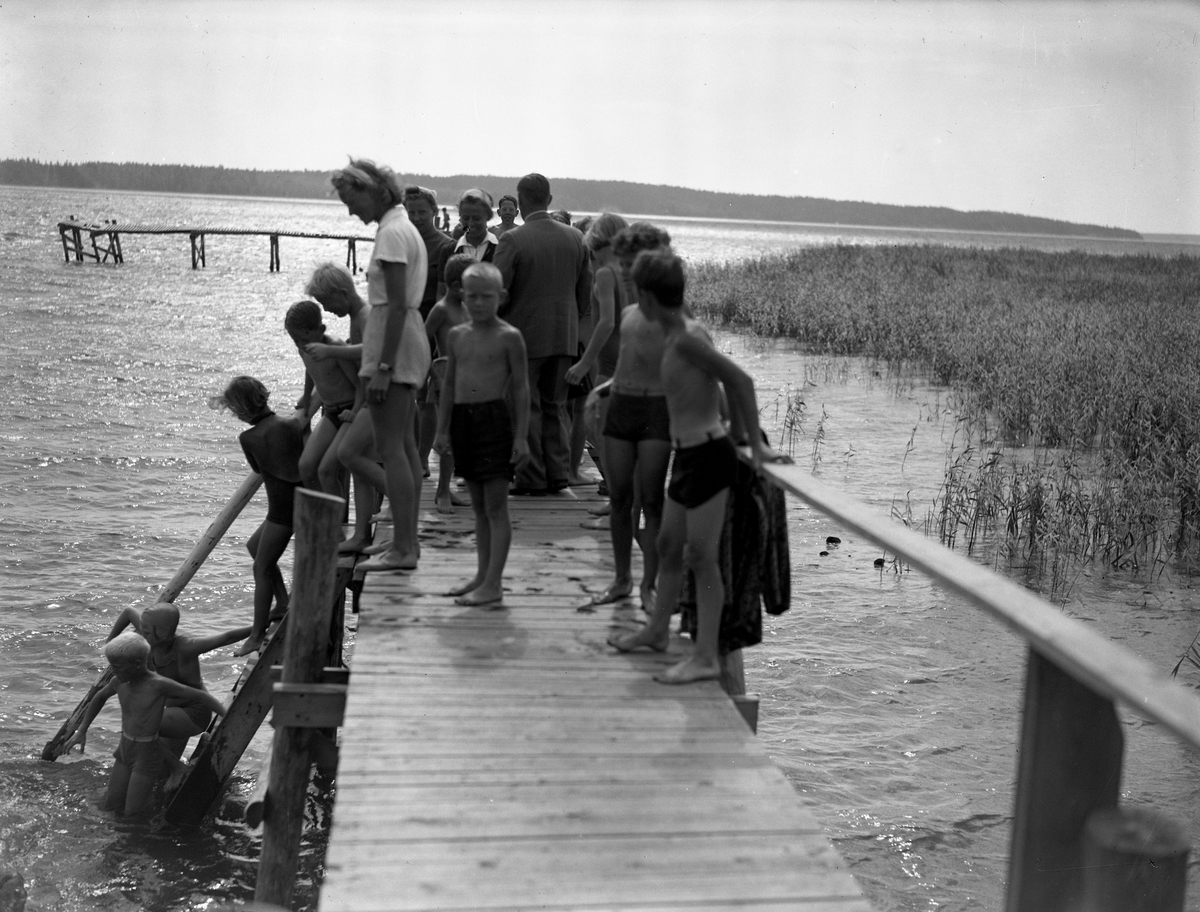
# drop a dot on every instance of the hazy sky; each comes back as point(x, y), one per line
point(1082, 111)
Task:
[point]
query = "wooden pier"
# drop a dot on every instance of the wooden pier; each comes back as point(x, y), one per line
point(101, 241)
point(510, 759)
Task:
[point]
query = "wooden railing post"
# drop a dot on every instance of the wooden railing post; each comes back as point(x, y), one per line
point(1069, 765)
point(318, 531)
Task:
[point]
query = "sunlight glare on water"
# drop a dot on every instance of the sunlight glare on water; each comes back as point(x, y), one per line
point(891, 707)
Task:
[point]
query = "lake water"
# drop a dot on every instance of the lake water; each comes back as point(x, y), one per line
point(890, 705)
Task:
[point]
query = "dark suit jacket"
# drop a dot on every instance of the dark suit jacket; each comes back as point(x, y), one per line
point(548, 274)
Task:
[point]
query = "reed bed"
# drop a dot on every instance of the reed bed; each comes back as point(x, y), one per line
point(1090, 362)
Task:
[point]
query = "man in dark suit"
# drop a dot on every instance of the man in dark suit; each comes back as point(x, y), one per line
point(548, 275)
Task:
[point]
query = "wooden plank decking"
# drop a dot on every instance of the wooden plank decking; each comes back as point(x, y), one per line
point(505, 760)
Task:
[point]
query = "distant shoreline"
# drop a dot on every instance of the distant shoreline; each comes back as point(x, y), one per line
point(574, 195)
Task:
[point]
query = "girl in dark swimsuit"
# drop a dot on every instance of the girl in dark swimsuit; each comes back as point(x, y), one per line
point(273, 446)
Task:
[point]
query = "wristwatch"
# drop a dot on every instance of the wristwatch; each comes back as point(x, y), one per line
point(384, 367)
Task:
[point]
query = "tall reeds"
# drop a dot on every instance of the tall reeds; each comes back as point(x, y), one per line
point(1091, 362)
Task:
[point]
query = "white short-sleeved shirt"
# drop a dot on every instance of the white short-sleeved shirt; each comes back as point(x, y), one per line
point(397, 241)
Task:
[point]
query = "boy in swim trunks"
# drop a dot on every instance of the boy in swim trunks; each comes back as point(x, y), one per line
point(335, 383)
point(176, 656)
point(143, 694)
point(272, 447)
point(486, 360)
point(693, 373)
point(632, 412)
point(445, 315)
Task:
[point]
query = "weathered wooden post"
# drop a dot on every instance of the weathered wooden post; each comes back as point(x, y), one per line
point(197, 238)
point(318, 531)
point(1134, 860)
point(1069, 765)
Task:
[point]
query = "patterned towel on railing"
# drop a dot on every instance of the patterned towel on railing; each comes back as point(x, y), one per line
point(753, 558)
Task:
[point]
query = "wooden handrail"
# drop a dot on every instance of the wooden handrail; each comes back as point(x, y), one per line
point(1071, 747)
point(1088, 656)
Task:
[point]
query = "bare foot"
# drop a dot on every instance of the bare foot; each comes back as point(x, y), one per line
point(445, 503)
point(644, 636)
point(251, 644)
point(617, 591)
point(378, 548)
point(649, 598)
point(389, 560)
point(353, 545)
point(601, 510)
point(481, 598)
point(688, 672)
point(466, 587)
point(459, 501)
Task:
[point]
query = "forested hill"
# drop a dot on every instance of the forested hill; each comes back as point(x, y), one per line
point(569, 193)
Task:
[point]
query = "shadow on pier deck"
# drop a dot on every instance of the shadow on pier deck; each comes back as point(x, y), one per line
point(511, 760)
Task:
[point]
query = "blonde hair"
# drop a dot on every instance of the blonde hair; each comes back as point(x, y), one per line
point(330, 278)
point(129, 648)
point(364, 174)
point(602, 230)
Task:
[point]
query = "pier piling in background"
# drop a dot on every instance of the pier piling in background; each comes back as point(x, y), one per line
point(105, 240)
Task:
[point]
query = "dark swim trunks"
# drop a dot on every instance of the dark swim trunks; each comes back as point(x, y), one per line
point(701, 472)
point(635, 418)
point(144, 757)
point(481, 439)
point(333, 413)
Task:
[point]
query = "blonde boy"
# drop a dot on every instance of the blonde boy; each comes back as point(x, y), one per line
point(486, 359)
point(143, 696)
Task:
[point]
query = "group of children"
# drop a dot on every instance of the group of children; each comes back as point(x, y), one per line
point(663, 397)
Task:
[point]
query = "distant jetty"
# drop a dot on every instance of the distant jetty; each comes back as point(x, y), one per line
point(571, 194)
point(103, 240)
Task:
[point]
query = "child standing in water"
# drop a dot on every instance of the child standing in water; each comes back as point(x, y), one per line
point(486, 359)
point(273, 446)
point(693, 373)
point(143, 695)
point(176, 656)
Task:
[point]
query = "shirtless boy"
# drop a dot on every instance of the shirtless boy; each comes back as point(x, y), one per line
point(334, 381)
point(445, 315)
point(176, 656)
point(632, 414)
point(332, 287)
point(143, 695)
point(486, 360)
point(693, 373)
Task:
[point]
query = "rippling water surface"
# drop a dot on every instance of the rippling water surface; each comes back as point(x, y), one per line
point(890, 706)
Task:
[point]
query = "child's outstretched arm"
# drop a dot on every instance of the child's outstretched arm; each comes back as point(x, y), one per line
point(89, 715)
point(199, 645)
point(191, 694)
point(319, 351)
point(127, 617)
